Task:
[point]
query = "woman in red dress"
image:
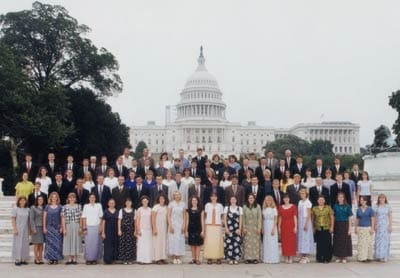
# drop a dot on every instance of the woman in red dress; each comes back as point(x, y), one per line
point(287, 226)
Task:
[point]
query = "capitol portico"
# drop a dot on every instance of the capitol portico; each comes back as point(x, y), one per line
point(199, 120)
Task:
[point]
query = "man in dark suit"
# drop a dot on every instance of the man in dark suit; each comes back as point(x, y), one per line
point(299, 168)
point(103, 167)
point(146, 168)
point(120, 193)
point(146, 155)
point(138, 191)
point(101, 191)
point(135, 167)
point(28, 167)
point(85, 169)
point(51, 166)
point(82, 194)
point(36, 194)
point(225, 168)
point(261, 169)
point(197, 190)
point(255, 189)
point(93, 166)
point(242, 171)
point(62, 187)
point(337, 168)
point(319, 190)
point(272, 163)
point(200, 159)
point(340, 187)
point(214, 188)
point(120, 169)
point(161, 170)
point(71, 165)
point(235, 190)
point(157, 190)
point(280, 171)
point(290, 162)
point(276, 193)
point(293, 190)
point(319, 170)
point(356, 174)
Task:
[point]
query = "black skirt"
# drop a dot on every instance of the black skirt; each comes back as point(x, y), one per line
point(342, 245)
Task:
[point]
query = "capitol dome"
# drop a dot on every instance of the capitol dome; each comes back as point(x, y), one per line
point(201, 98)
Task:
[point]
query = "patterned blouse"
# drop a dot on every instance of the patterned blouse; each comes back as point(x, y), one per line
point(322, 217)
point(71, 214)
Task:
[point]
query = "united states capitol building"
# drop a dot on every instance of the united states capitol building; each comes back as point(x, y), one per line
point(199, 120)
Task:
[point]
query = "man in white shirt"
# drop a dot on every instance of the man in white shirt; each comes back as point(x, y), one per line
point(255, 189)
point(127, 158)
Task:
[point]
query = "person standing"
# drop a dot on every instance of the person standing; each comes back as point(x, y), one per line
point(305, 237)
point(176, 227)
point(144, 233)
point(36, 223)
point(120, 193)
point(109, 233)
point(195, 228)
point(270, 233)
point(160, 229)
point(287, 226)
point(252, 226)
point(44, 180)
point(323, 220)
point(342, 245)
point(213, 241)
point(20, 224)
point(71, 224)
point(364, 187)
point(126, 233)
point(383, 228)
point(24, 187)
point(233, 221)
point(365, 229)
point(52, 230)
point(91, 219)
point(36, 194)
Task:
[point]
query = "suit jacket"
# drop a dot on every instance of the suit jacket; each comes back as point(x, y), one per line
point(335, 191)
point(292, 163)
point(105, 196)
point(154, 193)
point(260, 174)
point(278, 174)
point(342, 169)
point(144, 172)
point(241, 173)
point(135, 195)
point(99, 170)
point(316, 174)
point(267, 187)
point(240, 195)
point(141, 162)
point(120, 196)
point(63, 191)
point(259, 195)
point(75, 168)
point(301, 171)
point(51, 172)
point(161, 171)
point(84, 199)
point(32, 198)
point(138, 171)
point(175, 170)
point(81, 172)
point(228, 169)
point(274, 164)
point(220, 194)
point(314, 195)
point(201, 163)
point(280, 193)
point(124, 172)
point(355, 177)
point(32, 173)
point(192, 192)
point(294, 194)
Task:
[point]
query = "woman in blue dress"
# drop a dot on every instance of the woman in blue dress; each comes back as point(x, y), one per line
point(270, 231)
point(305, 235)
point(383, 229)
point(52, 229)
point(109, 233)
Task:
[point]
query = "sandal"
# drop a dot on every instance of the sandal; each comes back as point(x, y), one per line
point(209, 262)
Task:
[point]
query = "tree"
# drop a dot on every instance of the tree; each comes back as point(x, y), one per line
point(139, 149)
point(321, 147)
point(51, 48)
point(297, 145)
point(98, 130)
point(394, 102)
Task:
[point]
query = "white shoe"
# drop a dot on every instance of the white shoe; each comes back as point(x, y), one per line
point(338, 261)
point(178, 261)
point(175, 261)
point(344, 262)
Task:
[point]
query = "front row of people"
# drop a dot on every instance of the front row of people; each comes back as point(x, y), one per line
point(233, 233)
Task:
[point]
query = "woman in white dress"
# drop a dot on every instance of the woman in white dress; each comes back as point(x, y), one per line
point(111, 180)
point(270, 232)
point(176, 228)
point(44, 180)
point(308, 181)
point(144, 233)
point(88, 182)
point(160, 229)
point(226, 181)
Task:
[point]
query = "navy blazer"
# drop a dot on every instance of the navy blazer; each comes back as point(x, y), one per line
point(105, 196)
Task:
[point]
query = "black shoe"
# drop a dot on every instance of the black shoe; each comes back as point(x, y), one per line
point(68, 263)
point(74, 262)
point(17, 263)
point(24, 263)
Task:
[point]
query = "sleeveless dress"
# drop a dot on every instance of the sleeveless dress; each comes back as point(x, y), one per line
point(232, 241)
point(127, 241)
point(160, 240)
point(176, 241)
point(194, 228)
point(111, 241)
point(288, 237)
point(145, 240)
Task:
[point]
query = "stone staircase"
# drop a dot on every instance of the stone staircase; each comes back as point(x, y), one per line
point(6, 204)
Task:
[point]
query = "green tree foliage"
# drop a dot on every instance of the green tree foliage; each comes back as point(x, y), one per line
point(394, 102)
point(52, 48)
point(139, 149)
point(321, 147)
point(297, 145)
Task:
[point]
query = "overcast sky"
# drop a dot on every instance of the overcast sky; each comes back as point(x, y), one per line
point(277, 62)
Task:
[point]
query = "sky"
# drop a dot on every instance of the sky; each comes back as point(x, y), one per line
point(277, 62)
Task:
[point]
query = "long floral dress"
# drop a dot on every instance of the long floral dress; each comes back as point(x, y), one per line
point(382, 235)
point(232, 242)
point(252, 224)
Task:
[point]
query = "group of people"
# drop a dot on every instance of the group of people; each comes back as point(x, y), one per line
point(146, 212)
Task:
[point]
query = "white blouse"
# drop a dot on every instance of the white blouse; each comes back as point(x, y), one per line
point(304, 205)
point(88, 185)
point(219, 210)
point(111, 182)
point(93, 214)
point(44, 184)
point(365, 187)
point(225, 184)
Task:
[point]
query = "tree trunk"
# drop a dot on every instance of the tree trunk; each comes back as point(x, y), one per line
point(13, 153)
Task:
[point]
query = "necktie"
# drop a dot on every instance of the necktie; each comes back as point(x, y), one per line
point(197, 190)
point(139, 189)
point(254, 189)
point(277, 198)
point(234, 188)
point(100, 192)
point(79, 193)
point(120, 188)
point(159, 189)
point(269, 163)
point(28, 167)
point(120, 169)
point(52, 166)
point(70, 167)
point(319, 189)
